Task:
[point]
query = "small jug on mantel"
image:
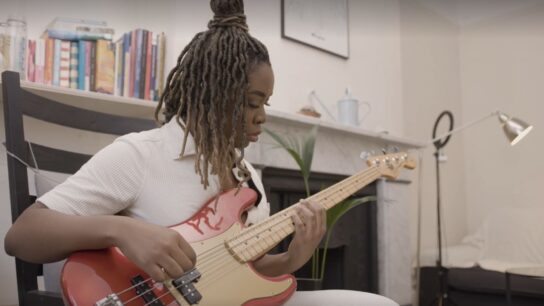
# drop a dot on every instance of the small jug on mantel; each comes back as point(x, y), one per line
point(348, 110)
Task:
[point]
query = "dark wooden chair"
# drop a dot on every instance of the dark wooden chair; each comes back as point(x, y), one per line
point(18, 102)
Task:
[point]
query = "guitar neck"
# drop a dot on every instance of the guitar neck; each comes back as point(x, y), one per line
point(255, 241)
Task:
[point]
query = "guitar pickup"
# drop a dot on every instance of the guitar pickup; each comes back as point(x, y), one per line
point(144, 291)
point(185, 286)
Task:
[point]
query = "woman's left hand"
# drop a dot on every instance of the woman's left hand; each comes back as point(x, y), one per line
point(310, 226)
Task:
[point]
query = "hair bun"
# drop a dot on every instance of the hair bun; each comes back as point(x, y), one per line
point(226, 8)
point(228, 13)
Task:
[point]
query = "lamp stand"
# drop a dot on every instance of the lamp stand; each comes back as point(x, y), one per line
point(442, 297)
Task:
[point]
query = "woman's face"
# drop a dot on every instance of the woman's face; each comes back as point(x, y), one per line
point(261, 86)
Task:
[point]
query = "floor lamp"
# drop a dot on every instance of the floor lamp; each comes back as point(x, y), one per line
point(514, 130)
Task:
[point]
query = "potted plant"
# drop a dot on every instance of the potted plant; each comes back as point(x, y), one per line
point(302, 151)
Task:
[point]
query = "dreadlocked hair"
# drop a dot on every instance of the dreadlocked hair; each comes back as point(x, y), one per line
point(209, 80)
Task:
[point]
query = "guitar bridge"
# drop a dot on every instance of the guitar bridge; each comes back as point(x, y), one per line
point(110, 300)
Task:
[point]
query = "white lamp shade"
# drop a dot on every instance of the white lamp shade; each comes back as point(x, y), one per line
point(514, 129)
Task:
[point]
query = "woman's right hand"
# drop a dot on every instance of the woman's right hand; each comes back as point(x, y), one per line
point(161, 252)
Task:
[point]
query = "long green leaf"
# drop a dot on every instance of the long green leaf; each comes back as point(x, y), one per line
point(277, 138)
point(308, 149)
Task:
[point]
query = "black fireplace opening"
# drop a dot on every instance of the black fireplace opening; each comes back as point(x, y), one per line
point(351, 261)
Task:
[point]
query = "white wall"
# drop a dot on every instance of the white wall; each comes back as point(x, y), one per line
point(431, 84)
point(373, 70)
point(502, 67)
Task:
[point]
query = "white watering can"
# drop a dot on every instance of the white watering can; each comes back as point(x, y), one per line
point(348, 109)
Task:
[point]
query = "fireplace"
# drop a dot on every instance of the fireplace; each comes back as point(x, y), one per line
point(352, 256)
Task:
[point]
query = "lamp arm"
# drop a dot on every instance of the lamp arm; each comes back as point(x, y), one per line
point(495, 113)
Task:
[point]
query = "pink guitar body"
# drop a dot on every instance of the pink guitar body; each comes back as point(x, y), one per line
point(90, 276)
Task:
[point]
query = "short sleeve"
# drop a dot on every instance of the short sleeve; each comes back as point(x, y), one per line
point(108, 183)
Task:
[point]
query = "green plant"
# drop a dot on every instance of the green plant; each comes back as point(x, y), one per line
point(302, 151)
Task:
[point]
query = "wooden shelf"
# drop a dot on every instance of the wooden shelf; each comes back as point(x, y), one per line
point(139, 108)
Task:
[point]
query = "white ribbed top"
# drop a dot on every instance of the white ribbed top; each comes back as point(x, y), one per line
point(140, 175)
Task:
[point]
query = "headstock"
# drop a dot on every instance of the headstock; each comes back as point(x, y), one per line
point(389, 165)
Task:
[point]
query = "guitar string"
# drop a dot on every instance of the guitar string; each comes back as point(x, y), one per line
point(364, 175)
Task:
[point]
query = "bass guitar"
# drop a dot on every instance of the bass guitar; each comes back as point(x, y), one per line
point(225, 249)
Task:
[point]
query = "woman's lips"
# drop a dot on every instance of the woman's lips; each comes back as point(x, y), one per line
point(253, 137)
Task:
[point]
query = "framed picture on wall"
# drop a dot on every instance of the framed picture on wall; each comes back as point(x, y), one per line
point(322, 24)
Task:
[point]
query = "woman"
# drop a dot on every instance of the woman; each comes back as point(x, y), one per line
point(126, 195)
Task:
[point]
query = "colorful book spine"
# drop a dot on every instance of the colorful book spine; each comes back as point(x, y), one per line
point(40, 61)
point(92, 68)
point(105, 65)
point(138, 66)
point(153, 91)
point(118, 85)
point(88, 46)
point(133, 52)
point(49, 59)
point(160, 73)
point(31, 61)
point(74, 64)
point(64, 64)
point(56, 63)
point(148, 58)
point(126, 74)
point(81, 65)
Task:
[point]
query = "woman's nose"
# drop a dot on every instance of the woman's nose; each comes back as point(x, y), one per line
point(260, 117)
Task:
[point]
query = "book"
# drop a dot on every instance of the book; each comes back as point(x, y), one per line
point(160, 70)
point(138, 64)
point(92, 67)
point(74, 64)
point(147, 62)
point(126, 65)
point(81, 65)
point(76, 29)
point(48, 60)
point(40, 61)
point(105, 65)
point(77, 35)
point(153, 91)
point(64, 64)
point(31, 61)
point(56, 63)
point(133, 51)
point(67, 23)
point(88, 68)
point(118, 72)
